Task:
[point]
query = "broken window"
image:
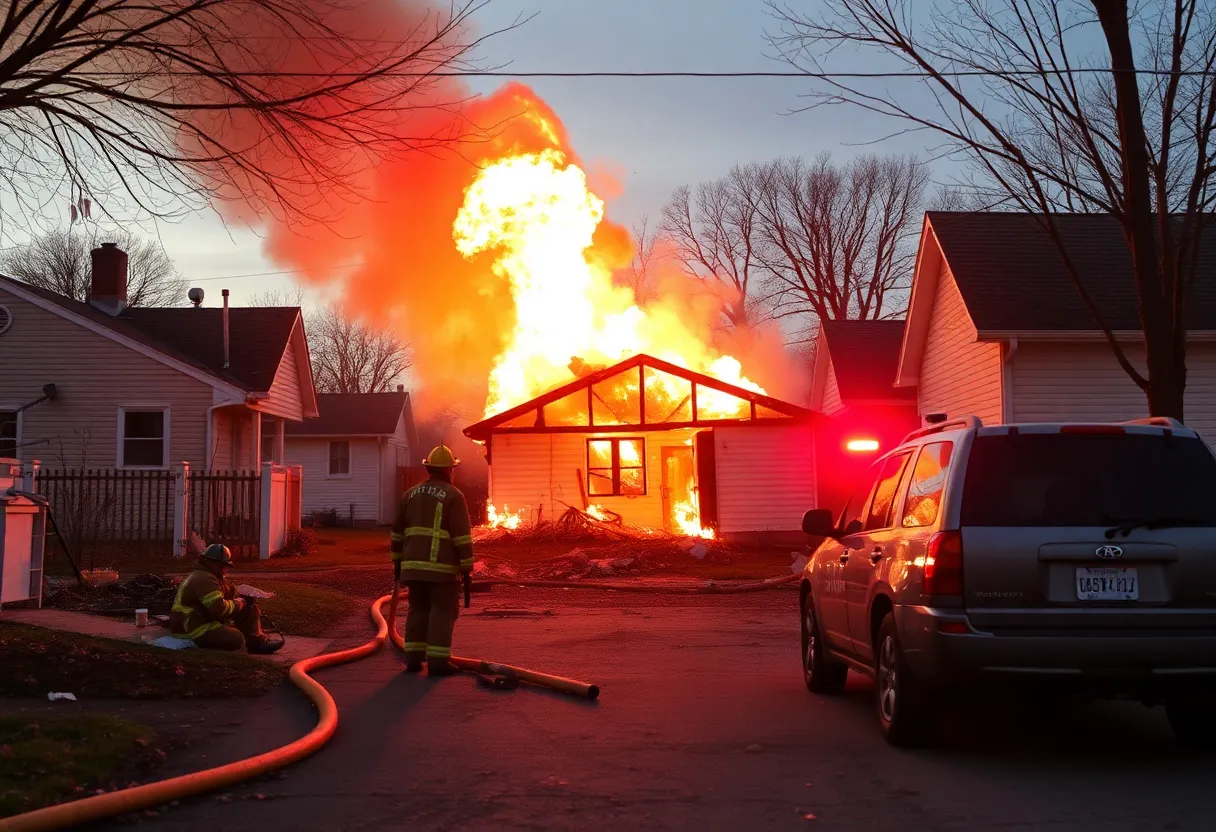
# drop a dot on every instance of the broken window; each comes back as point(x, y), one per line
point(616, 467)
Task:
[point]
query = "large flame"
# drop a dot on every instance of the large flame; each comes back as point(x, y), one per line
point(538, 216)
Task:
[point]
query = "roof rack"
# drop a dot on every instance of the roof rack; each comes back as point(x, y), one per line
point(1158, 421)
point(964, 422)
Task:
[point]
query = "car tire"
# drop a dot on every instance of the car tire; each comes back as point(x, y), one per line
point(1193, 721)
point(904, 705)
point(819, 671)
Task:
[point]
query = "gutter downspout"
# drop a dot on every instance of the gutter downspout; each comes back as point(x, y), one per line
point(1007, 380)
point(224, 292)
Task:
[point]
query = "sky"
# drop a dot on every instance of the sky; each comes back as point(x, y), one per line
point(652, 134)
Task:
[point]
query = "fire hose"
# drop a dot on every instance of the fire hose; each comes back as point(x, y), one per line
point(138, 798)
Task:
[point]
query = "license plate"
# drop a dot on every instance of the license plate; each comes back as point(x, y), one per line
point(1107, 584)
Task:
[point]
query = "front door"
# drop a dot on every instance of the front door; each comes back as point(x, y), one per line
point(678, 482)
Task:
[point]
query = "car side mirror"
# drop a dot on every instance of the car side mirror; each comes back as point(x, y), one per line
point(818, 522)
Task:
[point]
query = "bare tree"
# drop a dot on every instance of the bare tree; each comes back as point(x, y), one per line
point(1128, 133)
point(639, 278)
point(60, 261)
point(273, 297)
point(713, 232)
point(838, 241)
point(350, 356)
point(171, 106)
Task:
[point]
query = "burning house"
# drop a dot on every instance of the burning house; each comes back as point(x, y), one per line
point(659, 445)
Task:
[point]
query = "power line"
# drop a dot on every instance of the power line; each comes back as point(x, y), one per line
point(823, 76)
point(266, 274)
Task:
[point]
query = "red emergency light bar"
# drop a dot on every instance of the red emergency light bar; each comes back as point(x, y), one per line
point(862, 446)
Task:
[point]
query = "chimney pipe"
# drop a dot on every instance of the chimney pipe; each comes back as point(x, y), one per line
point(400, 388)
point(224, 292)
point(108, 282)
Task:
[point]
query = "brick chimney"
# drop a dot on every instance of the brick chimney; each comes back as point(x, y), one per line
point(108, 288)
point(400, 388)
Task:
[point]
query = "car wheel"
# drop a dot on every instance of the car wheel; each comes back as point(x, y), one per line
point(822, 675)
point(1193, 721)
point(904, 711)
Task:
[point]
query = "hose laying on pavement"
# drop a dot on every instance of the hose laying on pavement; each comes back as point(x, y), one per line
point(138, 798)
point(710, 588)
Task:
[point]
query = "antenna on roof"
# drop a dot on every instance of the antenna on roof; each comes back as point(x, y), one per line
point(196, 296)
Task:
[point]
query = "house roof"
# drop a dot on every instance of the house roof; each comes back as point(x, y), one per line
point(355, 414)
point(532, 412)
point(865, 357)
point(1013, 279)
point(258, 336)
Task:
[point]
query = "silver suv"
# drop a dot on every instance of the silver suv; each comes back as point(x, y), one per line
point(1080, 555)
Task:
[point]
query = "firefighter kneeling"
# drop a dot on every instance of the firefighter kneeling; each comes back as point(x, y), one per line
point(432, 546)
point(207, 611)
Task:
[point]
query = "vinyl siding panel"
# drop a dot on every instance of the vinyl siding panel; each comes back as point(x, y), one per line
point(94, 376)
point(766, 478)
point(1084, 382)
point(537, 473)
point(285, 397)
point(323, 492)
point(832, 403)
point(959, 376)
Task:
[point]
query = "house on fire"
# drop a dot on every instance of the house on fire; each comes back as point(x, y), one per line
point(643, 436)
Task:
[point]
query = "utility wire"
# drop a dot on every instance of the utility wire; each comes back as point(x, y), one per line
point(267, 274)
point(829, 76)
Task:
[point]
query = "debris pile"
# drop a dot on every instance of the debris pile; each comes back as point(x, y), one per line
point(117, 598)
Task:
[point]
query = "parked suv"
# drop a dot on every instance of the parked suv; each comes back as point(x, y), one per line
point(1079, 555)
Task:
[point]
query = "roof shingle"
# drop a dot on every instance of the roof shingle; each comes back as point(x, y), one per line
point(258, 336)
point(353, 414)
point(865, 356)
point(1012, 277)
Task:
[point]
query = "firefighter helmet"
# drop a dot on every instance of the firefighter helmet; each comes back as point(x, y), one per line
point(218, 552)
point(441, 456)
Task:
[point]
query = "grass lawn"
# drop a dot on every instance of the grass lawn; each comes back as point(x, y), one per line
point(301, 609)
point(50, 759)
point(37, 661)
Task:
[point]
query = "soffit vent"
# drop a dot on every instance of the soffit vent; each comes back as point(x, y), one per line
point(6, 319)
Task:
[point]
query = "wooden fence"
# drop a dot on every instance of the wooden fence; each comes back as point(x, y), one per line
point(225, 507)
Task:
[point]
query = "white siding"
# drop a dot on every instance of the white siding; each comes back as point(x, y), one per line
point(832, 403)
point(539, 472)
point(766, 477)
point(1084, 382)
point(322, 492)
point(285, 398)
point(94, 376)
point(959, 376)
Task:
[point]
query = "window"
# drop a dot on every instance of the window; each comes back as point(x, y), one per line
point(9, 435)
point(339, 459)
point(143, 437)
point(268, 439)
point(882, 504)
point(616, 467)
point(850, 518)
point(1061, 479)
point(928, 484)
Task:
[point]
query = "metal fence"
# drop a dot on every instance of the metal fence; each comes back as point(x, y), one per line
point(225, 507)
point(97, 510)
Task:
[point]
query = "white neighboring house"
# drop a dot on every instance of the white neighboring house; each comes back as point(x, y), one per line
point(352, 452)
point(997, 328)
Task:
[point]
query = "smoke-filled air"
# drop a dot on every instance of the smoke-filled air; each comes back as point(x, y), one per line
point(495, 260)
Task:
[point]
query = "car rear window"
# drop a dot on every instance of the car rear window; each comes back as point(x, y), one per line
point(1087, 480)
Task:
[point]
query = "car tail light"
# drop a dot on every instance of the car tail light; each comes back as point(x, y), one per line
point(1091, 429)
point(944, 564)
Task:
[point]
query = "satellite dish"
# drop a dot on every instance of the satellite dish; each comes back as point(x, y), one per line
point(196, 296)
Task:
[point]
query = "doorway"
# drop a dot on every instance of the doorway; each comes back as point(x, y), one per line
point(677, 482)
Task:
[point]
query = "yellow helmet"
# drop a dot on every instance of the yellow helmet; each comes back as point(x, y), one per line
point(441, 456)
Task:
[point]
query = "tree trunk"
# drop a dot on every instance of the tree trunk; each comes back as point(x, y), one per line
point(1166, 351)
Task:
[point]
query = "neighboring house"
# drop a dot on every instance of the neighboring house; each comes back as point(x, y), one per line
point(998, 329)
point(853, 384)
point(145, 389)
point(644, 436)
point(352, 453)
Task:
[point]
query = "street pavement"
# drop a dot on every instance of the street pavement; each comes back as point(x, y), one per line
point(703, 723)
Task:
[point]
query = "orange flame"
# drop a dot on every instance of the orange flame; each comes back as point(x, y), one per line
point(686, 515)
point(504, 519)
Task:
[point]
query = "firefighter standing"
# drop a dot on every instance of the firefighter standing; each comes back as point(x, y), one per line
point(432, 548)
point(207, 611)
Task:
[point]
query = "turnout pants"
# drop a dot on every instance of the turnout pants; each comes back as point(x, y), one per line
point(246, 623)
point(430, 621)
